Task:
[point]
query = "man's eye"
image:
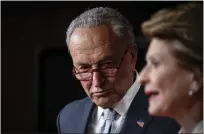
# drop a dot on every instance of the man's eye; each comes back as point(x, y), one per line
point(108, 63)
point(84, 68)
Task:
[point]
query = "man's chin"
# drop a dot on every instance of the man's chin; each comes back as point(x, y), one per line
point(104, 103)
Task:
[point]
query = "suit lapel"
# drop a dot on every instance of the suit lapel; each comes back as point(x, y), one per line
point(137, 118)
point(85, 115)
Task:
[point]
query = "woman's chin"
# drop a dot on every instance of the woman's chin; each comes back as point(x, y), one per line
point(156, 111)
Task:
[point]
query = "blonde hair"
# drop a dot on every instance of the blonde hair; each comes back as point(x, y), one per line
point(185, 24)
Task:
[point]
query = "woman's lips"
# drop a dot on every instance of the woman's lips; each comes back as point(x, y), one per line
point(151, 94)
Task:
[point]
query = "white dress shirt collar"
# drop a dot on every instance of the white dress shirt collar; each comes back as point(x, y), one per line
point(123, 105)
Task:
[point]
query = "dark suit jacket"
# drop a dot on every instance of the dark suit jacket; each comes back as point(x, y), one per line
point(74, 118)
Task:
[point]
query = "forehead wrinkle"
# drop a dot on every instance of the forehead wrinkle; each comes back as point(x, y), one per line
point(89, 48)
point(94, 49)
point(91, 45)
point(91, 38)
point(94, 57)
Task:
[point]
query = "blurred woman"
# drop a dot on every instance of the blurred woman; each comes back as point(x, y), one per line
point(173, 75)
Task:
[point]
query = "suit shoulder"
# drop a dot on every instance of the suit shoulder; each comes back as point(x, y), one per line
point(67, 116)
point(74, 106)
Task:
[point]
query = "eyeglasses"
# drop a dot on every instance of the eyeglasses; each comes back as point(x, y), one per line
point(106, 72)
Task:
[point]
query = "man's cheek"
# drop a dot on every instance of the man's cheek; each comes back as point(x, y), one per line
point(110, 80)
point(86, 86)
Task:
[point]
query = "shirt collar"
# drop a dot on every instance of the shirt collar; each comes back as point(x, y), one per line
point(123, 105)
point(99, 113)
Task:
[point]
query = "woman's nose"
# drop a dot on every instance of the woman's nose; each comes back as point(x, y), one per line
point(142, 77)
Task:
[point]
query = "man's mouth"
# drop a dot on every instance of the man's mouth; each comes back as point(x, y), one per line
point(102, 93)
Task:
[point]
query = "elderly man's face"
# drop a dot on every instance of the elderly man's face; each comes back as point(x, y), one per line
point(96, 48)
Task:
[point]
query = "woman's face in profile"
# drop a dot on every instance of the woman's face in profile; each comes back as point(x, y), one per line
point(166, 83)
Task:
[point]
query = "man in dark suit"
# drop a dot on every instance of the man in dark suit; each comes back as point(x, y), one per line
point(102, 46)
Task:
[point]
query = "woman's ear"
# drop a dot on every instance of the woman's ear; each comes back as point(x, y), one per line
point(194, 87)
point(197, 82)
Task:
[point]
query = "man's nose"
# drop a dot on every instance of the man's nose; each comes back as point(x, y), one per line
point(98, 79)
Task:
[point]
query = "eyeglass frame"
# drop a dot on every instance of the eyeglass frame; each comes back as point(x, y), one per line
point(99, 70)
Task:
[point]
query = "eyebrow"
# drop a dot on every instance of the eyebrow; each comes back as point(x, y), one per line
point(81, 64)
point(108, 57)
point(152, 56)
point(103, 59)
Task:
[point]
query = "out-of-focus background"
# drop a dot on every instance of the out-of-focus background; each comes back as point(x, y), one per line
point(36, 68)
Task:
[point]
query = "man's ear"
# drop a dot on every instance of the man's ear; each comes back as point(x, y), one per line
point(134, 54)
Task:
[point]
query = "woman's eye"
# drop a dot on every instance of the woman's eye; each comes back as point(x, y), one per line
point(155, 63)
point(152, 63)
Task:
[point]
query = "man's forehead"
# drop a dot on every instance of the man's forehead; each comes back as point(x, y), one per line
point(90, 50)
point(94, 59)
point(100, 51)
point(91, 40)
point(95, 56)
point(90, 45)
point(96, 35)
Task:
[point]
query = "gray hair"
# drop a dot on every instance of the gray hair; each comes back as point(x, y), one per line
point(103, 16)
